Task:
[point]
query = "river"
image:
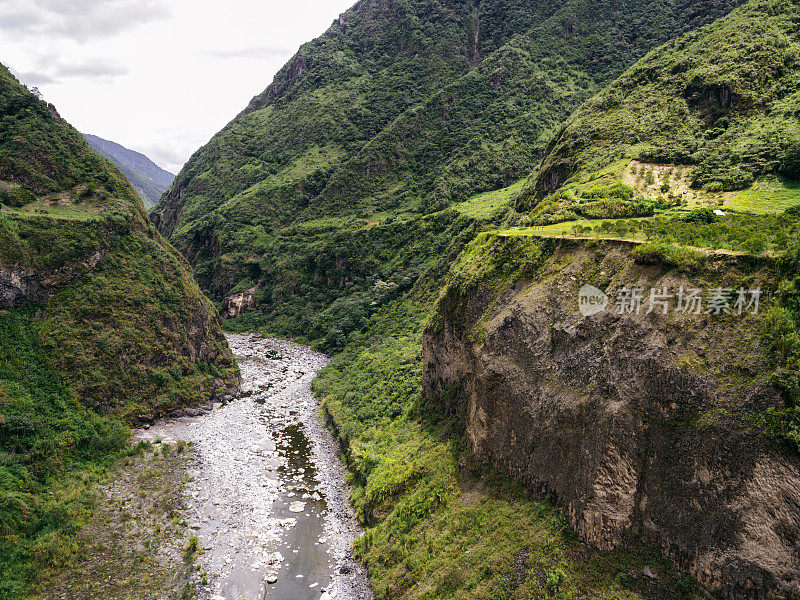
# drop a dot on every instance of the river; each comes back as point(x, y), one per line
point(266, 496)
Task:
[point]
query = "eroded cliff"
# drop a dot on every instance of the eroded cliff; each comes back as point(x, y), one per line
point(642, 427)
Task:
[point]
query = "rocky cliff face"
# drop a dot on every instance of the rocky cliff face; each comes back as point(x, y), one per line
point(235, 304)
point(640, 426)
point(20, 286)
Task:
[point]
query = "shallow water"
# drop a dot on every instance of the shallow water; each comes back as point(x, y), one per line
point(308, 563)
point(267, 497)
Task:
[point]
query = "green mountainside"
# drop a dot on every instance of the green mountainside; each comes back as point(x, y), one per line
point(148, 179)
point(383, 174)
point(101, 326)
point(348, 233)
point(719, 105)
point(313, 194)
point(441, 525)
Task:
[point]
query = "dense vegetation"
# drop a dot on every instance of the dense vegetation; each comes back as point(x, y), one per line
point(45, 434)
point(752, 234)
point(344, 193)
point(326, 284)
point(723, 100)
point(40, 154)
point(372, 130)
point(785, 337)
point(439, 524)
point(128, 336)
point(721, 104)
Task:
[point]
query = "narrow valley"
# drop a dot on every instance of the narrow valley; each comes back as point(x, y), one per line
point(266, 495)
point(474, 300)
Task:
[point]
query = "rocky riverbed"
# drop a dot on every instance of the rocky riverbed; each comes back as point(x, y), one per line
point(267, 497)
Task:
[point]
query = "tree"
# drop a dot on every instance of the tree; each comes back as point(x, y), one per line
point(790, 165)
point(756, 243)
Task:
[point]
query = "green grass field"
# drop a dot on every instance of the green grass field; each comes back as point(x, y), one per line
point(567, 228)
point(769, 195)
point(489, 204)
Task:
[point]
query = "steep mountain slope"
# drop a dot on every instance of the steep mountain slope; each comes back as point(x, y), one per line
point(148, 179)
point(440, 524)
point(721, 104)
point(682, 429)
point(673, 432)
point(480, 132)
point(101, 325)
point(653, 424)
point(400, 109)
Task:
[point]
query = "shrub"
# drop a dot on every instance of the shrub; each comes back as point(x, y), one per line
point(15, 196)
point(613, 190)
point(191, 549)
point(607, 226)
point(783, 426)
point(790, 163)
point(737, 179)
point(88, 191)
point(793, 211)
point(616, 209)
point(701, 215)
point(756, 244)
point(555, 579)
point(671, 255)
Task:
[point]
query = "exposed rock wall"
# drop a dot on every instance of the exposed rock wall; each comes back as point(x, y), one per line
point(21, 286)
point(235, 304)
point(638, 426)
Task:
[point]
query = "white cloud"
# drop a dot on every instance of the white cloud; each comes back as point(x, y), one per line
point(20, 19)
point(35, 78)
point(157, 76)
point(93, 69)
point(77, 20)
point(169, 149)
point(52, 70)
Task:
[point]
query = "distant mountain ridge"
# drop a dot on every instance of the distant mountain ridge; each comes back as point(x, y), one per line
point(149, 180)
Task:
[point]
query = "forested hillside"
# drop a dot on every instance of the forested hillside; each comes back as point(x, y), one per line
point(720, 105)
point(344, 211)
point(101, 327)
point(420, 193)
point(442, 525)
point(312, 195)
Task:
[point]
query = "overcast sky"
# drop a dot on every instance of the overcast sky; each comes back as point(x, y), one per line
point(158, 76)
